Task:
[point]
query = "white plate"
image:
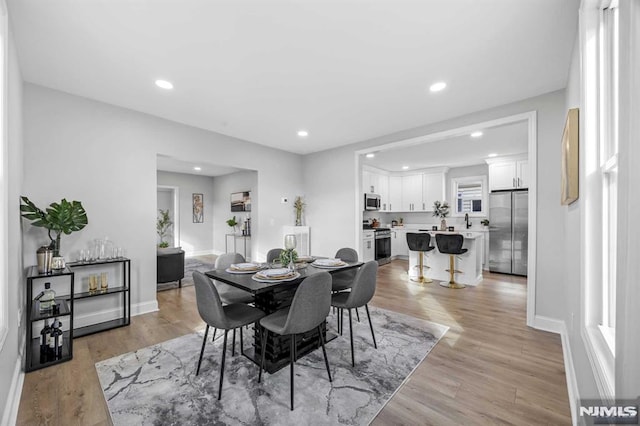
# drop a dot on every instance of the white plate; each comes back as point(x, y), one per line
point(329, 263)
point(329, 267)
point(305, 259)
point(275, 280)
point(274, 272)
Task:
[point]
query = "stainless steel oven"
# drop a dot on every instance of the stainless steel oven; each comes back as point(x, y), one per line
point(383, 245)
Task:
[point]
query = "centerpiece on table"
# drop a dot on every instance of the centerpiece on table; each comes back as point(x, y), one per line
point(441, 210)
point(289, 255)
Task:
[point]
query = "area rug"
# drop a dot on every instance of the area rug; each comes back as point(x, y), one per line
point(157, 385)
point(190, 265)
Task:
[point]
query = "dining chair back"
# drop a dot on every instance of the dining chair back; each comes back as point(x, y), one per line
point(342, 280)
point(310, 305)
point(347, 254)
point(227, 259)
point(364, 285)
point(273, 254)
point(208, 301)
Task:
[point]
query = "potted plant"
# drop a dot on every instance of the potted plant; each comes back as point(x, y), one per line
point(162, 227)
point(298, 205)
point(441, 210)
point(63, 217)
point(232, 223)
point(485, 223)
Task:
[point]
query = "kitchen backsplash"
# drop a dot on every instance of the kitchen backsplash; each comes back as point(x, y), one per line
point(423, 218)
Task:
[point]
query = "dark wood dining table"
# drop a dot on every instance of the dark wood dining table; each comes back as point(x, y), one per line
point(271, 297)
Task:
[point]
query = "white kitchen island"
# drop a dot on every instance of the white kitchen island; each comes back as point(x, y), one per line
point(470, 263)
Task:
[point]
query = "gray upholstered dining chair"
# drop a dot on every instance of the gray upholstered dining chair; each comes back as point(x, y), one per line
point(227, 317)
point(362, 291)
point(228, 293)
point(309, 308)
point(273, 254)
point(343, 280)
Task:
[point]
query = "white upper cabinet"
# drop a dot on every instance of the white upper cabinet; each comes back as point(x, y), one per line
point(412, 193)
point(376, 183)
point(395, 193)
point(433, 188)
point(508, 174)
point(383, 190)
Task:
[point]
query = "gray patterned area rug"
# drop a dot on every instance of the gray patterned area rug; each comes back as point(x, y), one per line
point(190, 265)
point(157, 385)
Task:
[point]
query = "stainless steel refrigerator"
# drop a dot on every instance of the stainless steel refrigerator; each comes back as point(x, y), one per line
point(508, 232)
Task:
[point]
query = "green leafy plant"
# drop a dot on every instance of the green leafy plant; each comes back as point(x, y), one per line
point(162, 227)
point(441, 209)
point(64, 217)
point(298, 205)
point(232, 222)
point(485, 222)
point(287, 256)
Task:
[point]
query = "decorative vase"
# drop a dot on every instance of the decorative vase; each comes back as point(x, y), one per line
point(298, 217)
point(443, 224)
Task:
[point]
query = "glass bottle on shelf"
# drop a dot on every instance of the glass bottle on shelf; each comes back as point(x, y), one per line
point(55, 343)
point(47, 298)
point(45, 337)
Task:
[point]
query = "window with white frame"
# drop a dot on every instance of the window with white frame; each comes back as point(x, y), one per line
point(469, 195)
point(600, 124)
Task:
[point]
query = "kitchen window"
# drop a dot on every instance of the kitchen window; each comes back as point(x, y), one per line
point(469, 196)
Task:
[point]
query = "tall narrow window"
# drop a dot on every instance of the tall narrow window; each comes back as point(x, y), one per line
point(609, 165)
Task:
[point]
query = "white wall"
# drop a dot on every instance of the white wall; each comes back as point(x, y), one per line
point(195, 238)
point(223, 186)
point(11, 351)
point(105, 156)
point(330, 180)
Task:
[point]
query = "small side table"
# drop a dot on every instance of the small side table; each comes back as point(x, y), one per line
point(246, 241)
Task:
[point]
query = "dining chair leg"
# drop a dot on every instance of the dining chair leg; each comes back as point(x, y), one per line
point(265, 333)
point(358, 314)
point(341, 320)
point(295, 349)
point(233, 344)
point(241, 350)
point(224, 353)
point(214, 335)
point(371, 326)
point(353, 359)
point(291, 351)
point(204, 342)
point(338, 319)
point(324, 352)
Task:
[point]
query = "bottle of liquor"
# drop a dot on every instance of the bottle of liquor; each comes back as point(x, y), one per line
point(45, 337)
point(47, 298)
point(55, 344)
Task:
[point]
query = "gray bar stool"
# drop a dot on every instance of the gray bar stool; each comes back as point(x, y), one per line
point(420, 242)
point(451, 244)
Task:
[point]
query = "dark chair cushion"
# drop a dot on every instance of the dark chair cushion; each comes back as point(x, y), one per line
point(419, 241)
point(170, 264)
point(450, 243)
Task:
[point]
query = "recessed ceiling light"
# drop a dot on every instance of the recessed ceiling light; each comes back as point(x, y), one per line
point(164, 84)
point(197, 169)
point(476, 134)
point(405, 167)
point(303, 133)
point(370, 155)
point(436, 87)
point(492, 155)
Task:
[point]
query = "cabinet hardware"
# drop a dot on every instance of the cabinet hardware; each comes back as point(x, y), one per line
point(514, 183)
point(423, 206)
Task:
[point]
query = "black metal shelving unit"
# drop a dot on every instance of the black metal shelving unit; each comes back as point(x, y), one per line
point(34, 359)
point(123, 289)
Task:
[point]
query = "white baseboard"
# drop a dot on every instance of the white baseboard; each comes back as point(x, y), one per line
point(199, 253)
point(12, 405)
point(560, 327)
point(144, 308)
point(551, 325)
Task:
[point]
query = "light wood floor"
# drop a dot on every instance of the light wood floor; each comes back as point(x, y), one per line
point(490, 368)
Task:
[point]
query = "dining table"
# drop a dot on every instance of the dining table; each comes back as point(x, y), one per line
point(275, 295)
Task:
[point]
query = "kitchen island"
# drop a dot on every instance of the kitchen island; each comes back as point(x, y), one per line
point(470, 263)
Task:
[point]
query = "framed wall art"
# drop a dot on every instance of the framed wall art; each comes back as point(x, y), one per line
point(241, 201)
point(198, 208)
point(570, 153)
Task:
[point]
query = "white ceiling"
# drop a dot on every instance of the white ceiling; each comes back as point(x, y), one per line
point(457, 151)
point(169, 164)
point(260, 70)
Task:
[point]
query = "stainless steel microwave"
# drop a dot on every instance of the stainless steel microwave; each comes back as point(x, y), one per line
point(371, 201)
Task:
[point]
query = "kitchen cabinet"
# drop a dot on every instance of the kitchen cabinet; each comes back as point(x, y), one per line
point(377, 183)
point(395, 193)
point(509, 175)
point(433, 188)
point(412, 193)
point(399, 246)
point(368, 246)
point(383, 190)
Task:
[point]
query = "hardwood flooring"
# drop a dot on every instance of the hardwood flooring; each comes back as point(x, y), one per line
point(490, 368)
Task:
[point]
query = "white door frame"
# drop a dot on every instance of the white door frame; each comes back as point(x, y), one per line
point(531, 119)
point(175, 191)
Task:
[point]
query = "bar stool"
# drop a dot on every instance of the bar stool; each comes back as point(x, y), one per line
point(420, 242)
point(451, 244)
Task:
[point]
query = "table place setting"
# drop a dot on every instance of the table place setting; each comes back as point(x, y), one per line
point(272, 275)
point(244, 268)
point(329, 263)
